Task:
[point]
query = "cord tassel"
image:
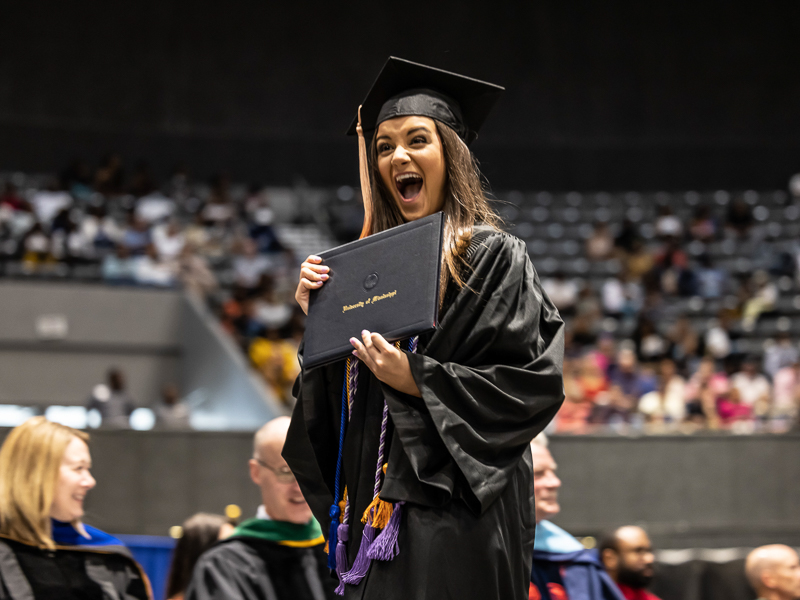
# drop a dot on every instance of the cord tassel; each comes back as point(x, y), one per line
point(385, 546)
point(381, 512)
point(341, 557)
point(333, 537)
point(366, 187)
point(361, 564)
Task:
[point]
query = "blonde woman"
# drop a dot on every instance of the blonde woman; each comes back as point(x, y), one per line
point(46, 551)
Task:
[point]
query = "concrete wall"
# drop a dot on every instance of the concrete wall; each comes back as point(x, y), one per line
point(699, 491)
point(138, 330)
point(154, 336)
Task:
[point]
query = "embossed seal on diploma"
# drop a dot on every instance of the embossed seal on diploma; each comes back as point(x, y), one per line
point(371, 281)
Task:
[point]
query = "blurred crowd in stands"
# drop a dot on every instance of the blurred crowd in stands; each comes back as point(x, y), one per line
point(683, 309)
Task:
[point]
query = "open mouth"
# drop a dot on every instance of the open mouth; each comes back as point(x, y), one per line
point(409, 185)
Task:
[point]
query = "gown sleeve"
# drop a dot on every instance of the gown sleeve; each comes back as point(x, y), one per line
point(490, 377)
point(222, 574)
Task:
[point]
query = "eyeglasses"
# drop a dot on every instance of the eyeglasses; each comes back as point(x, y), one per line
point(283, 474)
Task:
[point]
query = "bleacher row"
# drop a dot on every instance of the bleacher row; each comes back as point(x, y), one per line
point(555, 227)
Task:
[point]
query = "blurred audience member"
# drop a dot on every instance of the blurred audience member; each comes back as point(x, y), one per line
point(168, 239)
point(711, 281)
point(562, 568)
point(562, 291)
point(194, 273)
point(639, 261)
point(740, 218)
point(136, 237)
point(627, 556)
point(171, 413)
point(780, 354)
point(591, 377)
point(684, 344)
point(622, 297)
point(112, 401)
point(151, 269)
point(627, 237)
point(763, 296)
point(198, 533)
point(279, 554)
point(218, 210)
point(249, 266)
point(774, 572)
point(668, 226)
point(752, 388)
point(666, 405)
point(48, 552)
point(628, 377)
point(718, 338)
point(650, 344)
point(11, 199)
point(574, 412)
point(49, 202)
point(154, 208)
point(703, 227)
point(271, 312)
point(600, 245)
point(36, 247)
point(276, 359)
point(119, 267)
point(786, 395)
point(703, 391)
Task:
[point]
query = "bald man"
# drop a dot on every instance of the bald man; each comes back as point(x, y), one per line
point(627, 556)
point(774, 572)
point(279, 554)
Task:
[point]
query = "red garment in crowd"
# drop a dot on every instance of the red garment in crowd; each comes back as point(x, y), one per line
point(632, 594)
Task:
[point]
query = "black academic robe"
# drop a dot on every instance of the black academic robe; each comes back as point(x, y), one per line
point(28, 572)
point(490, 379)
point(243, 568)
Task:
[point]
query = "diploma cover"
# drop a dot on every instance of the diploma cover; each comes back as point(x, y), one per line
point(386, 283)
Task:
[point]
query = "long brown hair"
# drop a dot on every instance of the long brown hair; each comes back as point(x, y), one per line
point(464, 207)
point(30, 460)
point(200, 532)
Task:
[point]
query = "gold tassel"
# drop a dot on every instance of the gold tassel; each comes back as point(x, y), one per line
point(381, 513)
point(342, 504)
point(366, 188)
point(382, 510)
point(326, 547)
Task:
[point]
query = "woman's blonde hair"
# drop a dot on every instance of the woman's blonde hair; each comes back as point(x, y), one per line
point(29, 462)
point(464, 207)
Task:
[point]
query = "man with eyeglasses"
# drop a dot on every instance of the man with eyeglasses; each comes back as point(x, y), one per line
point(279, 554)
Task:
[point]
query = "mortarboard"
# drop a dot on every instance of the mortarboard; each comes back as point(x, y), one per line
point(404, 88)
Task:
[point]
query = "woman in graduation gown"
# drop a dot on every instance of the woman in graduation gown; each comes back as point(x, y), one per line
point(435, 451)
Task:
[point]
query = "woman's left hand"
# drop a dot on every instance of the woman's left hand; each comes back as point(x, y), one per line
point(389, 364)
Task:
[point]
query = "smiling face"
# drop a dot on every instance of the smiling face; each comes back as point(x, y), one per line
point(412, 165)
point(74, 481)
point(280, 492)
point(545, 483)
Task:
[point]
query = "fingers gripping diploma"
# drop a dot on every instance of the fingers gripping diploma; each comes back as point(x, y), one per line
point(312, 275)
point(389, 364)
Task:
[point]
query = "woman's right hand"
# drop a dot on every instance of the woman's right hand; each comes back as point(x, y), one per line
point(312, 275)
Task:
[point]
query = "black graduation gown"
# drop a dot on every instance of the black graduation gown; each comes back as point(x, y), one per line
point(244, 568)
point(490, 379)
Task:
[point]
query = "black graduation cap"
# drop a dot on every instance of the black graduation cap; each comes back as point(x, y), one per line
point(404, 88)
